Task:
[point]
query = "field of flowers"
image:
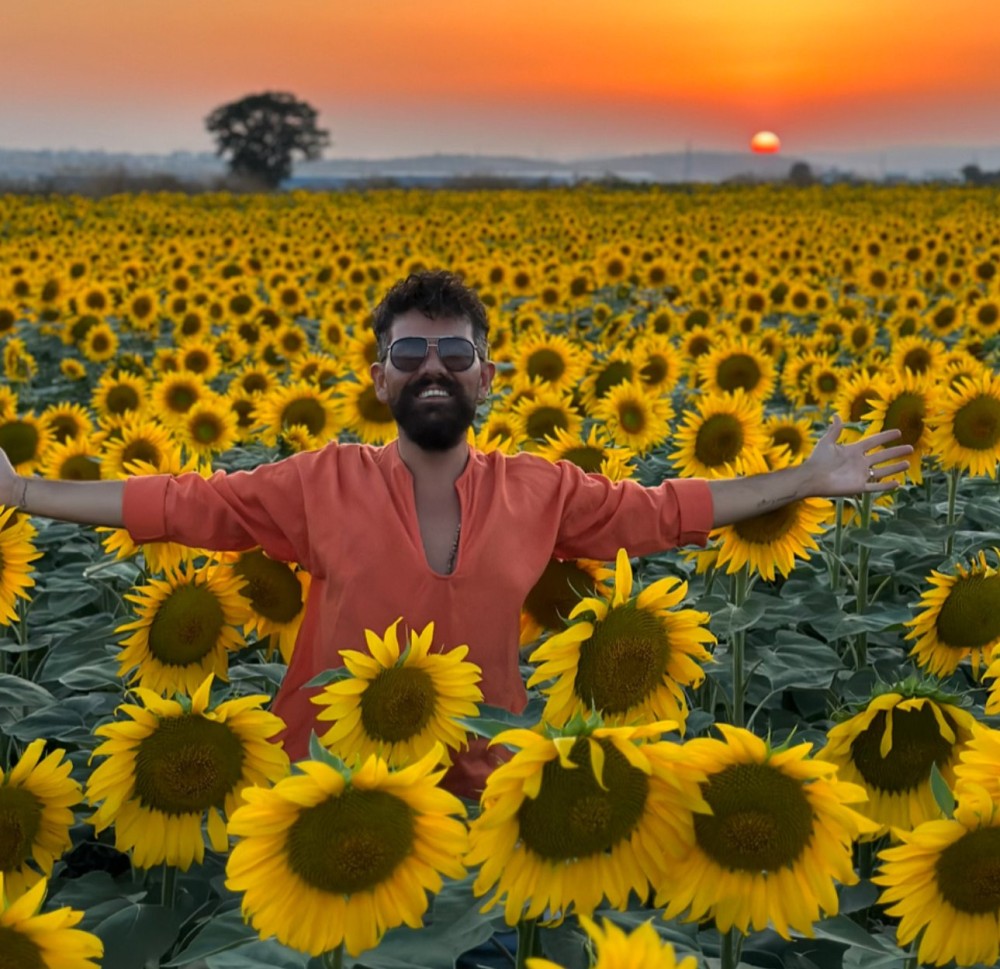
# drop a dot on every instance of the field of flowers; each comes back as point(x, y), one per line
point(775, 750)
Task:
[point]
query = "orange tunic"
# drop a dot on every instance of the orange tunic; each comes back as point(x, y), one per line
point(347, 514)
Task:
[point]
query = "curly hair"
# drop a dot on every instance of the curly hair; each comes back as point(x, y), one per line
point(437, 294)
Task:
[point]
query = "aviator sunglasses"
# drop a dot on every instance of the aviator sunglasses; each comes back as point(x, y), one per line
point(455, 352)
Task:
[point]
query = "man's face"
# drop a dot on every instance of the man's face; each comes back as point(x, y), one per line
point(432, 421)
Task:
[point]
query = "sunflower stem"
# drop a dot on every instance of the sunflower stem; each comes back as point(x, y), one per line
point(864, 553)
point(838, 547)
point(737, 649)
point(954, 475)
point(334, 959)
point(526, 930)
point(168, 887)
point(732, 947)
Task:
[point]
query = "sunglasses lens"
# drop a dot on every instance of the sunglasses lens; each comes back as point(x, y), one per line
point(407, 354)
point(456, 353)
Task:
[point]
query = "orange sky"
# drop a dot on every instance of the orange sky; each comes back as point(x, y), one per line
point(559, 77)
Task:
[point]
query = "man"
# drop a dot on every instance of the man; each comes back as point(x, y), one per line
point(427, 528)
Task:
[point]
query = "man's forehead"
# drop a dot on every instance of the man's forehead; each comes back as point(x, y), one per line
point(415, 323)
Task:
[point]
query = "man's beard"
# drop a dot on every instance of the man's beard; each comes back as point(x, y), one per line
point(436, 427)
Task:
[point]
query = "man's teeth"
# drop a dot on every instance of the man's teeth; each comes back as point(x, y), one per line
point(433, 392)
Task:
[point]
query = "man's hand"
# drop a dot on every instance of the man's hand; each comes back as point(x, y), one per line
point(10, 482)
point(832, 471)
point(838, 470)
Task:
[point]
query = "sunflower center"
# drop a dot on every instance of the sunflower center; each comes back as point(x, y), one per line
point(372, 409)
point(19, 441)
point(271, 586)
point(739, 370)
point(207, 429)
point(977, 424)
point(573, 817)
point(917, 745)
point(585, 457)
point(624, 661)
point(906, 413)
point(20, 816)
point(632, 417)
point(17, 951)
point(968, 872)
point(616, 372)
point(555, 593)
point(654, 371)
point(188, 764)
point(862, 404)
point(141, 450)
point(791, 437)
point(546, 364)
point(543, 421)
point(121, 399)
point(970, 616)
point(79, 468)
point(769, 527)
point(351, 843)
point(186, 626)
point(305, 411)
point(719, 440)
point(398, 704)
point(761, 819)
point(181, 398)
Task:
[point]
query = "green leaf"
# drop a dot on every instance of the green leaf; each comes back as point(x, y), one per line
point(218, 934)
point(333, 675)
point(842, 929)
point(258, 955)
point(18, 692)
point(135, 935)
point(942, 792)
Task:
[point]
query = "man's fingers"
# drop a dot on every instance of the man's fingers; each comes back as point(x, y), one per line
point(883, 437)
point(887, 471)
point(891, 453)
point(833, 431)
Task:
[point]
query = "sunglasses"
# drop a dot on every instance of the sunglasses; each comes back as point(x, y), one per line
point(455, 352)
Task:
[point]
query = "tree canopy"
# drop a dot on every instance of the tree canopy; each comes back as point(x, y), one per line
point(261, 132)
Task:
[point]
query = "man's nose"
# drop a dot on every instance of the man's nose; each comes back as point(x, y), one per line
point(431, 364)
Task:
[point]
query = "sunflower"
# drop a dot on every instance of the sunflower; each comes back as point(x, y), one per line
point(891, 747)
point(556, 592)
point(67, 421)
point(174, 763)
point(359, 410)
point(138, 439)
point(328, 857)
point(300, 404)
point(199, 357)
point(737, 365)
point(175, 394)
point(593, 453)
point(19, 363)
point(100, 343)
point(960, 618)
point(540, 413)
point(979, 764)
point(117, 396)
point(770, 542)
point(578, 815)
point(716, 437)
point(29, 940)
point(905, 402)
point(24, 439)
point(631, 660)
point(943, 883)
point(208, 428)
point(776, 834)
point(657, 363)
point(616, 368)
point(16, 555)
point(790, 435)
point(641, 949)
point(72, 461)
point(919, 355)
point(854, 400)
point(634, 417)
point(400, 707)
point(36, 800)
point(253, 379)
point(188, 623)
point(966, 426)
point(276, 593)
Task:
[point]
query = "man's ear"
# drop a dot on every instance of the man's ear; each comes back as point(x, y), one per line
point(377, 370)
point(487, 373)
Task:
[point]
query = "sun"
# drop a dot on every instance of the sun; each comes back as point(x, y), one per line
point(765, 143)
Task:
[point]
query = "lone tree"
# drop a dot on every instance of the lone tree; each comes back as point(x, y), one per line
point(261, 132)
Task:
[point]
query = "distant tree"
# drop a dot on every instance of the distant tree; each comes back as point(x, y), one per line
point(801, 174)
point(973, 174)
point(261, 132)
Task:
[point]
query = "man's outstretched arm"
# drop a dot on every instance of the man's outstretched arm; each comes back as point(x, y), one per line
point(86, 502)
point(832, 471)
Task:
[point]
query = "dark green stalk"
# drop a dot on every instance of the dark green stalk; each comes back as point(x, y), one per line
point(168, 889)
point(334, 959)
point(954, 476)
point(864, 554)
point(526, 933)
point(838, 547)
point(737, 647)
point(732, 947)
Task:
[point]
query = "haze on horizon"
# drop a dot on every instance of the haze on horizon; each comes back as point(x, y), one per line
point(563, 79)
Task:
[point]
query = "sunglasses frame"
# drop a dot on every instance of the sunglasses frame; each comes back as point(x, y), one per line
point(435, 342)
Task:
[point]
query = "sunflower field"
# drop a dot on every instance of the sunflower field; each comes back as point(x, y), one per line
point(777, 750)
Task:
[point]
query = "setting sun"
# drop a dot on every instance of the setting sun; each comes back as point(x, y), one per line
point(765, 143)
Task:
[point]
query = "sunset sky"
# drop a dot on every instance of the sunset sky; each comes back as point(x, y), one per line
point(563, 78)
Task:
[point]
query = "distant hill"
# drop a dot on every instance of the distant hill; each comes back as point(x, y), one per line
point(692, 166)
